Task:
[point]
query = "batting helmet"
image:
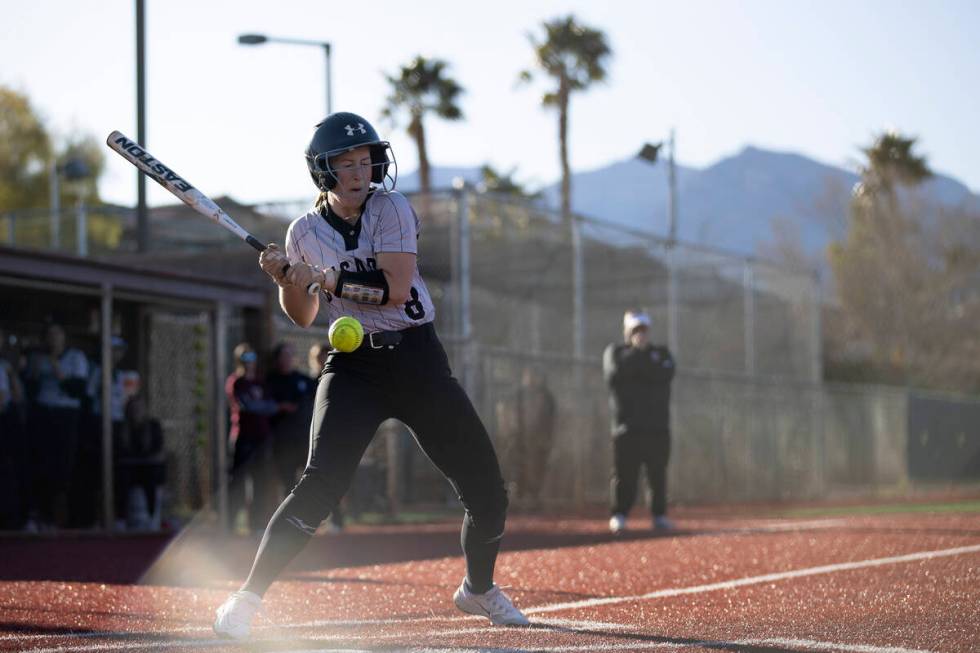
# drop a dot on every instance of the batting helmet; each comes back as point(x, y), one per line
point(342, 132)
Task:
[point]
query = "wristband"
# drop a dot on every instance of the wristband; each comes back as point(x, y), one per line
point(363, 287)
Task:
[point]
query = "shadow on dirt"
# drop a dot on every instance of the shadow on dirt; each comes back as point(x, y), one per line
point(203, 558)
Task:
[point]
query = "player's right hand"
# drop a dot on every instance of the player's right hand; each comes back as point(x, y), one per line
point(274, 262)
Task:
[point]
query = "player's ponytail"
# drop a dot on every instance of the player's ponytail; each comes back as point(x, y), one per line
point(321, 201)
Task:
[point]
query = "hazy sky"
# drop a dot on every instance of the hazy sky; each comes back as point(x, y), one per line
point(819, 78)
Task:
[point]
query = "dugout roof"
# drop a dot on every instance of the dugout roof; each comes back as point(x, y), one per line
point(55, 271)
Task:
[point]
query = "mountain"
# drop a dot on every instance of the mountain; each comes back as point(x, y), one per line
point(732, 204)
point(439, 178)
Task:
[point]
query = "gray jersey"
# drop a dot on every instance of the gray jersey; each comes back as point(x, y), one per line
point(388, 224)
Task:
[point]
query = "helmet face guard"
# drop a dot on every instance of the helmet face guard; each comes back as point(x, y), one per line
point(342, 132)
point(384, 167)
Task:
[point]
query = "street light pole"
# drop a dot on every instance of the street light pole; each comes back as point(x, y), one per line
point(672, 192)
point(672, 341)
point(142, 222)
point(259, 39)
point(326, 52)
point(650, 154)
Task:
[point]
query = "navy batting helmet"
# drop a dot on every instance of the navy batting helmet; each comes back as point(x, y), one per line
point(341, 132)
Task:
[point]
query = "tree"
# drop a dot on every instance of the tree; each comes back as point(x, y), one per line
point(907, 275)
point(574, 56)
point(420, 88)
point(25, 150)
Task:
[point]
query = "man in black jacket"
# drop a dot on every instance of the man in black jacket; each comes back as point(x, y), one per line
point(638, 375)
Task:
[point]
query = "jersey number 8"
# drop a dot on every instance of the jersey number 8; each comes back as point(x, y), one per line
point(413, 307)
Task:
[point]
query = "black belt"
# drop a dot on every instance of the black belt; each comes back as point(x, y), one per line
point(391, 339)
point(382, 339)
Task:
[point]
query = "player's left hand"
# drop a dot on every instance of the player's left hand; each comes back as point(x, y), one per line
point(273, 262)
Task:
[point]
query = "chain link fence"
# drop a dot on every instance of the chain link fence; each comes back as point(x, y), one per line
point(745, 334)
point(509, 270)
point(748, 411)
point(179, 392)
point(520, 293)
point(735, 438)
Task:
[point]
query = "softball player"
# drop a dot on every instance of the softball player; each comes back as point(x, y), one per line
point(359, 242)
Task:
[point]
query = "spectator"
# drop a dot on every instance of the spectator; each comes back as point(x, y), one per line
point(56, 382)
point(87, 483)
point(290, 428)
point(117, 396)
point(140, 467)
point(6, 394)
point(13, 450)
point(638, 375)
point(11, 390)
point(317, 358)
point(251, 407)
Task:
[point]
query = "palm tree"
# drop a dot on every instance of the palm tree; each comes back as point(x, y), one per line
point(504, 183)
point(574, 55)
point(891, 161)
point(884, 271)
point(419, 88)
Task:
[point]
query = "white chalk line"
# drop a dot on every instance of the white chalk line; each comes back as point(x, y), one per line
point(755, 580)
point(146, 639)
point(797, 644)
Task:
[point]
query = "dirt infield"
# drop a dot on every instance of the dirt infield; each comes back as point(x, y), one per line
point(873, 583)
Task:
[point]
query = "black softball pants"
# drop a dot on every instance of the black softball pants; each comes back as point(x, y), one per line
point(411, 382)
point(652, 451)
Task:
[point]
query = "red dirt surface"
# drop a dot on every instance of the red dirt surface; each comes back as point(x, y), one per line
point(390, 588)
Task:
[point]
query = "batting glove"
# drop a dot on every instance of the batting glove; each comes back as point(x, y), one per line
point(302, 275)
point(274, 262)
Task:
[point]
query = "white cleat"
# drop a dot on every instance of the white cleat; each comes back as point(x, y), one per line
point(234, 618)
point(493, 604)
point(617, 523)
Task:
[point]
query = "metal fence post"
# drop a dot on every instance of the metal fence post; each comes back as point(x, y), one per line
point(219, 345)
point(81, 227)
point(108, 503)
point(818, 402)
point(578, 350)
point(55, 200)
point(578, 290)
point(748, 282)
point(465, 323)
point(672, 318)
point(816, 344)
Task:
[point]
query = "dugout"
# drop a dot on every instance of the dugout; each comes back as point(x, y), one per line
point(179, 328)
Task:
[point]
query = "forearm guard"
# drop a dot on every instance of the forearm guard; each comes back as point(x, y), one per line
point(363, 287)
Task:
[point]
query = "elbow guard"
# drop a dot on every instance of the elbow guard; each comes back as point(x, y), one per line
point(363, 287)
